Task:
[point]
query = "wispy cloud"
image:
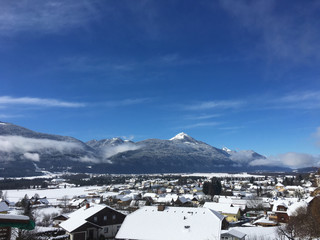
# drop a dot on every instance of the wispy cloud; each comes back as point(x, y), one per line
point(200, 124)
point(224, 104)
point(305, 100)
point(279, 29)
point(45, 16)
point(231, 128)
point(4, 116)
point(299, 100)
point(203, 116)
point(44, 102)
point(125, 102)
point(94, 64)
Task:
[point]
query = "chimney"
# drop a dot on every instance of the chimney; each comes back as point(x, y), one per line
point(87, 205)
point(161, 208)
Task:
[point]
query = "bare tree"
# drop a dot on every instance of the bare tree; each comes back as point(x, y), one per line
point(65, 200)
point(302, 225)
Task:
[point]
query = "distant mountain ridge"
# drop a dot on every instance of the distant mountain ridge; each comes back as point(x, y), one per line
point(24, 152)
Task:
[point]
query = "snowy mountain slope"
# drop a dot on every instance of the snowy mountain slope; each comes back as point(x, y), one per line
point(21, 148)
point(24, 152)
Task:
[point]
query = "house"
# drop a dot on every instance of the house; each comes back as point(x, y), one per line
point(284, 209)
point(37, 201)
point(281, 212)
point(280, 187)
point(174, 223)
point(59, 219)
point(232, 235)
point(92, 222)
point(232, 213)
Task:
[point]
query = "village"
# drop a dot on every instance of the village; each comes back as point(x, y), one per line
point(189, 206)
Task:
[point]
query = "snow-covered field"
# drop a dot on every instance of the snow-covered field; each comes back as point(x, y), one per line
point(53, 195)
point(222, 175)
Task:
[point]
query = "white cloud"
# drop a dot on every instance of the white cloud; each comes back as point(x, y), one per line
point(88, 159)
point(32, 156)
point(265, 162)
point(290, 159)
point(25, 145)
point(45, 102)
point(243, 156)
point(110, 151)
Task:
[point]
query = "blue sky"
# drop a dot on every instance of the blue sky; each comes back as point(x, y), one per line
point(241, 74)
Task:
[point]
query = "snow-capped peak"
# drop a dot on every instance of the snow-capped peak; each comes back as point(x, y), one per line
point(180, 136)
point(226, 149)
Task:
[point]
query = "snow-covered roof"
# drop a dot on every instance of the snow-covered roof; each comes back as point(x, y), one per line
point(14, 217)
point(174, 223)
point(234, 233)
point(221, 207)
point(78, 218)
point(167, 198)
point(292, 208)
point(4, 207)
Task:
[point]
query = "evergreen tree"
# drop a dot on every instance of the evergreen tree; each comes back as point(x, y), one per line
point(205, 188)
point(216, 186)
point(252, 180)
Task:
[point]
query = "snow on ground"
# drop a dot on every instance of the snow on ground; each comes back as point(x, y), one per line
point(222, 175)
point(53, 195)
point(41, 212)
point(263, 233)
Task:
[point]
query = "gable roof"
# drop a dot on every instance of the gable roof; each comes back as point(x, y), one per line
point(78, 218)
point(174, 223)
point(4, 207)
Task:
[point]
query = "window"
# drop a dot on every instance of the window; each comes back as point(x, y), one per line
point(95, 219)
point(105, 218)
point(106, 230)
point(114, 217)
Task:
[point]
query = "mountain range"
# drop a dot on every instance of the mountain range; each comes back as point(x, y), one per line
point(24, 152)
